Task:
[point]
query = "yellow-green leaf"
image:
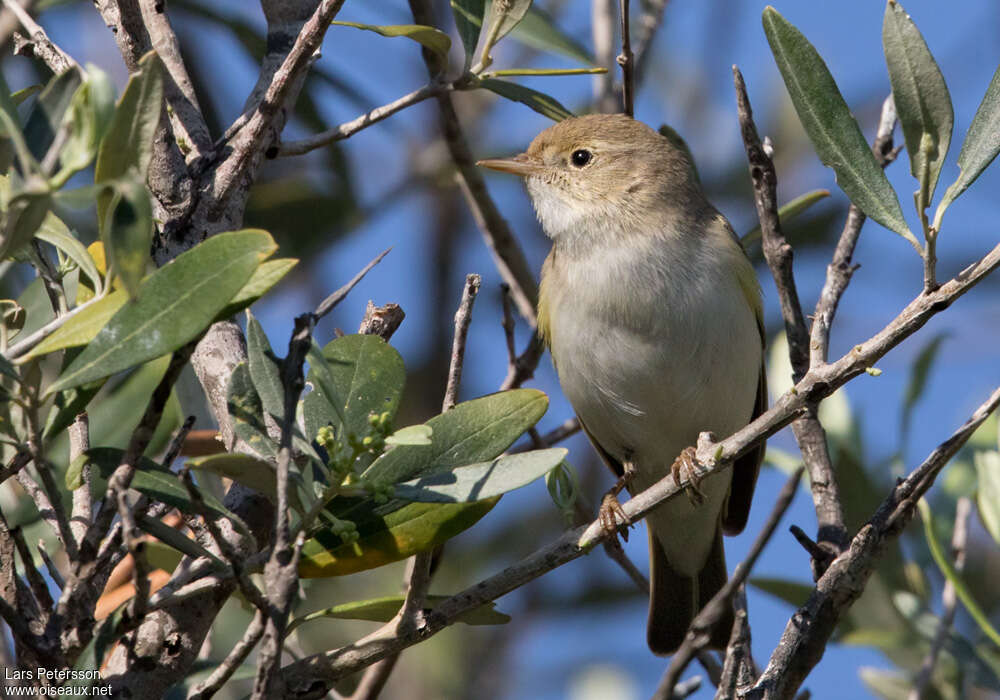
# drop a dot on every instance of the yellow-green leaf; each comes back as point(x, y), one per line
point(434, 39)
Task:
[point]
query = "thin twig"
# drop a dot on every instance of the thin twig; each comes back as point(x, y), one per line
point(178, 441)
point(840, 269)
point(808, 631)
point(35, 580)
point(627, 62)
point(700, 631)
point(649, 22)
point(281, 571)
point(949, 600)
point(348, 129)
point(224, 671)
point(809, 432)
point(739, 671)
point(50, 566)
point(462, 319)
point(602, 31)
point(15, 464)
point(520, 368)
point(79, 443)
point(137, 548)
point(328, 304)
point(39, 44)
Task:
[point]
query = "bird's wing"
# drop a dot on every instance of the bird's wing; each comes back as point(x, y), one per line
point(613, 464)
point(746, 468)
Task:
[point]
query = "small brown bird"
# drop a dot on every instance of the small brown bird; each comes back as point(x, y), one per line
point(653, 315)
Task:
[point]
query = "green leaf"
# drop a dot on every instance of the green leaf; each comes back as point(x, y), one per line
point(89, 117)
point(250, 471)
point(545, 71)
point(429, 37)
point(981, 145)
point(890, 685)
point(538, 101)
point(988, 494)
point(831, 128)
point(506, 14)
point(411, 435)
point(792, 592)
point(55, 232)
point(174, 542)
point(24, 213)
point(469, 20)
point(46, 115)
point(948, 569)
point(265, 369)
point(387, 537)
point(476, 482)
point(10, 127)
point(788, 212)
point(268, 274)
point(244, 406)
point(83, 326)
point(919, 371)
point(176, 303)
point(384, 609)
point(21, 95)
point(128, 232)
point(922, 99)
point(539, 31)
point(128, 143)
point(355, 376)
point(473, 431)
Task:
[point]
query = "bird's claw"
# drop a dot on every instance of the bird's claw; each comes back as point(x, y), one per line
point(611, 510)
point(686, 464)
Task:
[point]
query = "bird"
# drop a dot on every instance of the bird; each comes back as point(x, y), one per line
point(653, 316)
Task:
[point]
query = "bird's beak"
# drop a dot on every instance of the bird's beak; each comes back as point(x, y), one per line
point(522, 165)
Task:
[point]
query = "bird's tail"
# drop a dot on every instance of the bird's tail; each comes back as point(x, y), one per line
point(674, 599)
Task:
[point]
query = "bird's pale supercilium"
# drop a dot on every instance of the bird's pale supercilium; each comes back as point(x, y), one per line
point(652, 313)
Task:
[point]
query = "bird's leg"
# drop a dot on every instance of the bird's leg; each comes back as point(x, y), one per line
point(687, 464)
point(611, 509)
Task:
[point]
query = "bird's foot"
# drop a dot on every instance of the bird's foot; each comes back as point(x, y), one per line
point(611, 510)
point(686, 464)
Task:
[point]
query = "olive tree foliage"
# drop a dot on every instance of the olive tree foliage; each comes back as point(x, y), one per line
point(322, 480)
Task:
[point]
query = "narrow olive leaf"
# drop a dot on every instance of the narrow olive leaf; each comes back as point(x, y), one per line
point(24, 93)
point(469, 20)
point(505, 15)
point(356, 376)
point(387, 537)
point(265, 369)
point(384, 609)
point(247, 413)
point(24, 214)
point(429, 37)
point(831, 128)
point(128, 143)
point(88, 120)
point(886, 684)
point(260, 283)
point(922, 99)
point(82, 327)
point(54, 231)
point(175, 304)
point(475, 482)
point(545, 71)
point(250, 471)
point(919, 372)
point(539, 31)
point(175, 539)
point(981, 145)
point(948, 569)
point(128, 232)
point(473, 431)
point(788, 212)
point(47, 112)
point(538, 101)
point(988, 494)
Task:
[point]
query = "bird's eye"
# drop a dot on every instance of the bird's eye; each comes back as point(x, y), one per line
point(581, 157)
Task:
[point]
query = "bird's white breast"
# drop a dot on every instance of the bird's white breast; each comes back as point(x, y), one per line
point(654, 341)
